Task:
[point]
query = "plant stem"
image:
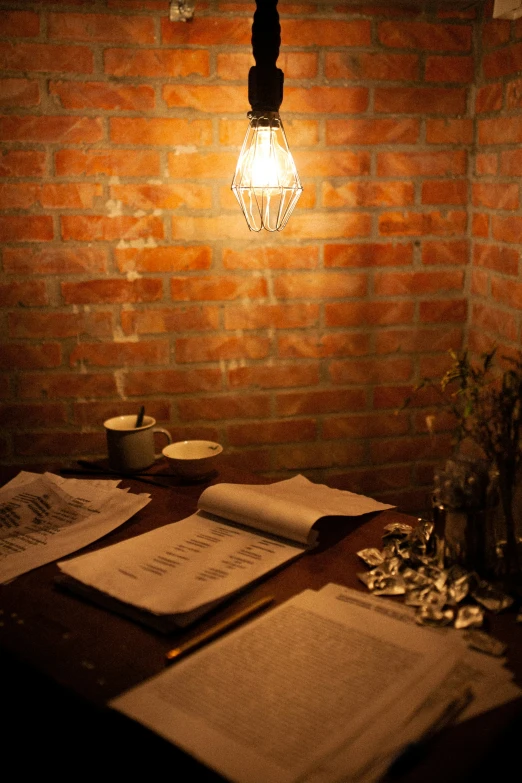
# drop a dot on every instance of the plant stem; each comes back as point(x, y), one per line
point(506, 488)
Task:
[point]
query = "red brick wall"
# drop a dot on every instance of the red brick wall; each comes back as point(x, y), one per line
point(496, 286)
point(128, 273)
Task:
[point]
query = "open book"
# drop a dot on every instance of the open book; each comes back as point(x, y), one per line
point(169, 577)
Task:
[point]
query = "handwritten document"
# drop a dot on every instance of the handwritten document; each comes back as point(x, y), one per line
point(44, 517)
point(269, 701)
point(239, 534)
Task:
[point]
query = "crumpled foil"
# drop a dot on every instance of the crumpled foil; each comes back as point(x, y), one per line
point(411, 563)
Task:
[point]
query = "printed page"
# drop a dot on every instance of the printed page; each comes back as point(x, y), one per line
point(44, 517)
point(267, 702)
point(181, 566)
point(286, 508)
point(490, 679)
point(71, 485)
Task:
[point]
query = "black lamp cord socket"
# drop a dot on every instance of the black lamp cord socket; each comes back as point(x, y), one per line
point(265, 80)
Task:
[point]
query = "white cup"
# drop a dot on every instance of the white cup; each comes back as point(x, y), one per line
point(131, 448)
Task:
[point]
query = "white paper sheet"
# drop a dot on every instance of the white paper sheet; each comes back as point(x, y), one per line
point(266, 703)
point(286, 508)
point(490, 682)
point(181, 566)
point(44, 517)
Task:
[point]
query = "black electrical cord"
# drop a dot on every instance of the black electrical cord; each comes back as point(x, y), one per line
point(265, 79)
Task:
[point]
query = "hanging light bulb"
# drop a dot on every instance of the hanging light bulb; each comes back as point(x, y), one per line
point(266, 183)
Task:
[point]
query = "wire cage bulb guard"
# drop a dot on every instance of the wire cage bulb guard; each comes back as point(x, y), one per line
point(266, 183)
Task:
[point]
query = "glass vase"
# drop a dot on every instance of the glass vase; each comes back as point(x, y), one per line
point(468, 539)
point(462, 501)
point(505, 520)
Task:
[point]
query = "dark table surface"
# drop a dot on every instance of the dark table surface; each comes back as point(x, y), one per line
point(62, 658)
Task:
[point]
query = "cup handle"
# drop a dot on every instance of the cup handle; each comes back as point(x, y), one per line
point(167, 435)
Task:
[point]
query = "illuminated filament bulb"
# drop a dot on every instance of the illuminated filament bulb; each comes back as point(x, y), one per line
point(266, 183)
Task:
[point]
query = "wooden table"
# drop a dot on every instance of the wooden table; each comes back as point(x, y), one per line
point(63, 658)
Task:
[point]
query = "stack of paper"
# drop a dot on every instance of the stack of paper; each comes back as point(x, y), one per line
point(170, 576)
point(486, 678)
point(44, 517)
point(323, 688)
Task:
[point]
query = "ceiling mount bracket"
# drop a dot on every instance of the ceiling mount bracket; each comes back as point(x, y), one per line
point(181, 10)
